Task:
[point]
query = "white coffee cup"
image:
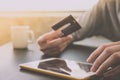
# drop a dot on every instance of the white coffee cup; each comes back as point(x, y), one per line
point(21, 36)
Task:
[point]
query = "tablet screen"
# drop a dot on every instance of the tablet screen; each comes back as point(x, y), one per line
point(72, 68)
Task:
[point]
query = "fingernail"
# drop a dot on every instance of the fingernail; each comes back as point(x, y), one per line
point(88, 60)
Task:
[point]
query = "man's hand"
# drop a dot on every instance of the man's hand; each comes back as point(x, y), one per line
point(51, 43)
point(113, 74)
point(105, 57)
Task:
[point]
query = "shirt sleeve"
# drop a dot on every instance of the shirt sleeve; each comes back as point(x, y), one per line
point(103, 19)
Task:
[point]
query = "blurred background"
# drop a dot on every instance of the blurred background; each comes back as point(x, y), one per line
point(40, 15)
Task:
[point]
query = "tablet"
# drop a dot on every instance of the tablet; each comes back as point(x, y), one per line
point(61, 68)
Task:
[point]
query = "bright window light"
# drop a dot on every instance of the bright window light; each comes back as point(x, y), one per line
point(46, 5)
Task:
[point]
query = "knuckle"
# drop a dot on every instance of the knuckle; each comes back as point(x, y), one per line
point(108, 50)
point(116, 55)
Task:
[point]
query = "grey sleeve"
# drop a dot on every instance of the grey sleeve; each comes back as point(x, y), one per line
point(103, 19)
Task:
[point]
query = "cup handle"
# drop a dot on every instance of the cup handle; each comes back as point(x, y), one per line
point(32, 37)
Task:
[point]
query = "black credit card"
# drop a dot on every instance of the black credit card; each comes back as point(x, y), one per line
point(70, 25)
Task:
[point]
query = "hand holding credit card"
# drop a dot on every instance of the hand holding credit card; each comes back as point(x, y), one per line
point(54, 42)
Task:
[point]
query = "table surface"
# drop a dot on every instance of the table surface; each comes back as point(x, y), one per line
point(11, 58)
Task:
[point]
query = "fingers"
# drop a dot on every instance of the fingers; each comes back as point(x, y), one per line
point(47, 37)
point(104, 55)
point(63, 46)
point(54, 35)
point(56, 42)
point(54, 50)
point(60, 40)
point(112, 60)
point(95, 54)
point(98, 51)
point(56, 45)
point(113, 73)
